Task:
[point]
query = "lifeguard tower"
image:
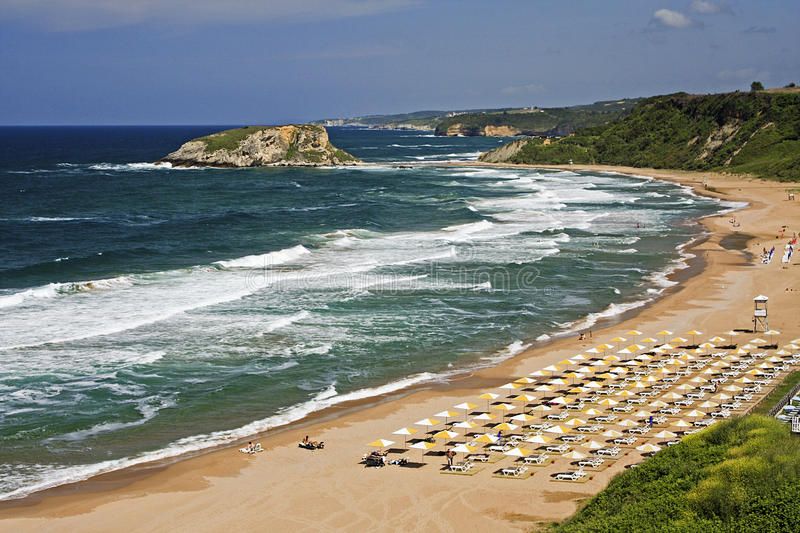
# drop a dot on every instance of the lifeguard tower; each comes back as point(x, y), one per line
point(760, 320)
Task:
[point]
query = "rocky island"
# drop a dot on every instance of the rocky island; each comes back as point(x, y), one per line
point(261, 146)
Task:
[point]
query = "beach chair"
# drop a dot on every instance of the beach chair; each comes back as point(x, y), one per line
point(514, 471)
point(557, 448)
point(608, 452)
point(536, 459)
point(463, 466)
point(481, 457)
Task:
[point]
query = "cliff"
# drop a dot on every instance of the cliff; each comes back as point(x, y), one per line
point(754, 133)
point(258, 146)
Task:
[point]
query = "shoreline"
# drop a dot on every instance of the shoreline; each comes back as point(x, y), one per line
point(158, 478)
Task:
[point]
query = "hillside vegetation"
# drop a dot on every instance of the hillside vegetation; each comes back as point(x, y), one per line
point(538, 121)
point(740, 475)
point(755, 133)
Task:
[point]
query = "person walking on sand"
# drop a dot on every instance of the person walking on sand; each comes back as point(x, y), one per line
point(450, 455)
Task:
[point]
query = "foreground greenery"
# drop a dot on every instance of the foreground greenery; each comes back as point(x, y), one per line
point(770, 400)
point(740, 475)
point(755, 133)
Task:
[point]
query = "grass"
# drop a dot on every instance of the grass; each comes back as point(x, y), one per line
point(769, 401)
point(740, 475)
point(228, 139)
point(747, 133)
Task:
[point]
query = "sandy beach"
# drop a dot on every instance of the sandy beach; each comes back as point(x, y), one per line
point(290, 488)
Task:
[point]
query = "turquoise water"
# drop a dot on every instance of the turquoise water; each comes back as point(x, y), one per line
point(147, 311)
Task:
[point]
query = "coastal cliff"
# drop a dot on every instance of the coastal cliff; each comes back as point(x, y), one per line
point(260, 146)
point(754, 133)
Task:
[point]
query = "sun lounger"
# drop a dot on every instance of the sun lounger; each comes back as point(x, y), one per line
point(590, 429)
point(608, 452)
point(481, 457)
point(571, 476)
point(463, 466)
point(252, 449)
point(536, 459)
point(625, 440)
point(594, 462)
point(557, 448)
point(605, 418)
point(515, 471)
point(572, 438)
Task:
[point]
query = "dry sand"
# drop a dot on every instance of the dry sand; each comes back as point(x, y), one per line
point(289, 488)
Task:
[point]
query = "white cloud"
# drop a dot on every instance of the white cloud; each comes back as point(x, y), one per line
point(530, 88)
point(672, 19)
point(76, 15)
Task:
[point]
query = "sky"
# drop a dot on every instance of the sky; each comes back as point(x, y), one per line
point(276, 61)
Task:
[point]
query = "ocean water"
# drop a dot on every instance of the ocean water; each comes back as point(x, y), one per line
point(147, 312)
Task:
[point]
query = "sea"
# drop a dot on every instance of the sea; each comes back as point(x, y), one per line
point(148, 312)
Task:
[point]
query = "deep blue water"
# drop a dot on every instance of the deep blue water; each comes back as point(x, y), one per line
point(147, 311)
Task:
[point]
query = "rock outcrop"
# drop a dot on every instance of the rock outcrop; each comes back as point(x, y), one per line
point(504, 153)
point(260, 146)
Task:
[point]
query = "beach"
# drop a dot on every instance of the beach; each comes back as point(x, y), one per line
point(287, 487)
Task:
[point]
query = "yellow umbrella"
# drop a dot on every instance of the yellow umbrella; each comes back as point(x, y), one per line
point(539, 439)
point(447, 414)
point(538, 373)
point(406, 432)
point(465, 425)
point(484, 417)
point(664, 333)
point(672, 396)
point(681, 424)
point(594, 445)
point(487, 438)
point(525, 381)
point(591, 411)
point(658, 403)
point(523, 398)
point(543, 388)
point(561, 400)
point(694, 333)
point(464, 448)
point(565, 362)
point(504, 407)
point(626, 393)
point(612, 433)
point(557, 429)
point(551, 369)
point(575, 422)
point(466, 407)
point(627, 423)
point(489, 397)
point(648, 448)
point(574, 455)
point(518, 452)
point(505, 426)
point(511, 386)
point(557, 381)
point(427, 422)
point(649, 340)
point(445, 434)
point(695, 414)
point(522, 417)
point(633, 332)
point(423, 445)
point(608, 402)
point(542, 407)
point(380, 443)
point(717, 339)
point(708, 404)
point(679, 340)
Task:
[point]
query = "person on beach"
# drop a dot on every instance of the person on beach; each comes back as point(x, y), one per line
point(450, 455)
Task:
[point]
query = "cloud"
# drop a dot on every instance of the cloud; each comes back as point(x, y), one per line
point(530, 88)
point(672, 19)
point(760, 29)
point(706, 7)
point(78, 15)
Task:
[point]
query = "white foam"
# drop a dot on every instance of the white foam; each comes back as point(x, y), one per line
point(54, 476)
point(267, 260)
point(53, 290)
point(286, 321)
point(135, 167)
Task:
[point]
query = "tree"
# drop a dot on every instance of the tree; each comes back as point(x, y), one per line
point(756, 86)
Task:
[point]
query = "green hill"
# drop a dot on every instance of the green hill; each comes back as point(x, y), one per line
point(740, 475)
point(755, 133)
point(536, 121)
